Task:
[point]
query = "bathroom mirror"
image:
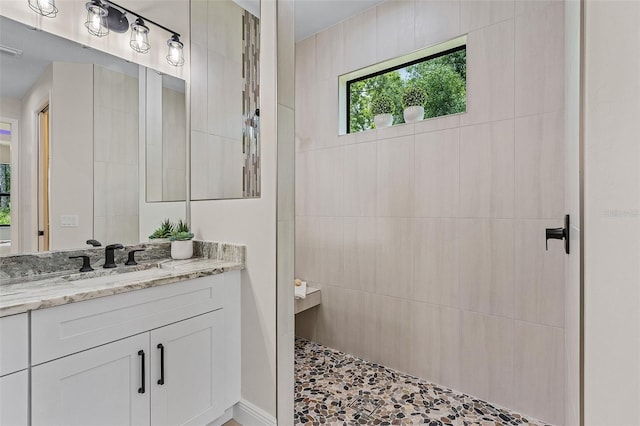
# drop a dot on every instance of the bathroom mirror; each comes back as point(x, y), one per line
point(77, 152)
point(166, 137)
point(225, 116)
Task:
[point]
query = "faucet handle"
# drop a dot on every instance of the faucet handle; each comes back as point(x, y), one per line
point(131, 260)
point(94, 243)
point(86, 263)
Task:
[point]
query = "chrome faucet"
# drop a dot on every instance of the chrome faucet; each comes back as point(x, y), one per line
point(109, 261)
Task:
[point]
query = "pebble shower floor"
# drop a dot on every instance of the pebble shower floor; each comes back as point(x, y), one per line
point(333, 387)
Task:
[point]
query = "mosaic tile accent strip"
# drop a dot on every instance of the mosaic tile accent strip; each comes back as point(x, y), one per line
point(333, 387)
point(250, 105)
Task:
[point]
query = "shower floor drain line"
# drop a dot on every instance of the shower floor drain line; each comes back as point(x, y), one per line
point(333, 387)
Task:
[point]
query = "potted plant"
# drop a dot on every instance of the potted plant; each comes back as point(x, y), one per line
point(163, 232)
point(181, 244)
point(382, 109)
point(413, 100)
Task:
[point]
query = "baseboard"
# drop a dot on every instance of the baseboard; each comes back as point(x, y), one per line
point(248, 414)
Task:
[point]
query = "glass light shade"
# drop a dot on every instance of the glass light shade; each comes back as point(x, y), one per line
point(139, 37)
point(176, 53)
point(45, 8)
point(96, 22)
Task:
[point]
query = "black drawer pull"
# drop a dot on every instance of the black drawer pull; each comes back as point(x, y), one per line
point(161, 380)
point(141, 354)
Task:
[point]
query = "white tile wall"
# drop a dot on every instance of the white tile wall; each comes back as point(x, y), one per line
point(439, 225)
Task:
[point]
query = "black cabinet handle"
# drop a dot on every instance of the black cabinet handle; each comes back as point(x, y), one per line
point(141, 354)
point(161, 380)
point(559, 234)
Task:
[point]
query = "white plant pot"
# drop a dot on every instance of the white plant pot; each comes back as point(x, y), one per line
point(383, 120)
point(182, 249)
point(413, 114)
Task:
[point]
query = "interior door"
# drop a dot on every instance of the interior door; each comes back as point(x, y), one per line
point(187, 374)
point(43, 180)
point(107, 385)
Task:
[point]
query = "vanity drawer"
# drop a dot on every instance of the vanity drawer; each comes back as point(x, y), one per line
point(63, 330)
point(14, 343)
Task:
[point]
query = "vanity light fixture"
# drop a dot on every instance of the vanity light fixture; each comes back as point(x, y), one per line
point(103, 15)
point(176, 55)
point(96, 22)
point(139, 37)
point(46, 8)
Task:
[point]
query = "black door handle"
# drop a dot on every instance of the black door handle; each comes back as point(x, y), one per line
point(559, 234)
point(141, 388)
point(161, 380)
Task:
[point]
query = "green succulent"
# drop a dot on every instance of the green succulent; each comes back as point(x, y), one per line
point(382, 104)
point(165, 230)
point(181, 232)
point(413, 96)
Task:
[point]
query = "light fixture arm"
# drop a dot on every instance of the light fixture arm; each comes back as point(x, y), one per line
point(137, 15)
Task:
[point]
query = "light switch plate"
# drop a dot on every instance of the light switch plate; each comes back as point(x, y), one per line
point(69, 220)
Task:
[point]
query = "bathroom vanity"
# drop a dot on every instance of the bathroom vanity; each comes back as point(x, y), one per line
point(158, 345)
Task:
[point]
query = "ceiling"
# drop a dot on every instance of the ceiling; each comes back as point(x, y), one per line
point(313, 16)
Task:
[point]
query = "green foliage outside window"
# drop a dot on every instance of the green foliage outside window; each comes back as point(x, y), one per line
point(5, 188)
point(442, 79)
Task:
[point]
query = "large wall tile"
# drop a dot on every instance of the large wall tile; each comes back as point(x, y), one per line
point(435, 344)
point(330, 52)
point(487, 357)
point(490, 81)
point(539, 274)
point(436, 22)
point(539, 371)
point(437, 176)
point(360, 253)
point(326, 117)
point(395, 177)
point(321, 241)
point(321, 189)
point(360, 179)
point(394, 256)
point(486, 170)
point(475, 14)
point(394, 29)
point(360, 44)
point(539, 61)
point(539, 166)
point(305, 62)
point(388, 330)
point(342, 306)
point(436, 261)
point(486, 266)
point(199, 93)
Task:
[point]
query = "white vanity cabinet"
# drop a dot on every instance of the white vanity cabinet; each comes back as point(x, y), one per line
point(14, 377)
point(166, 355)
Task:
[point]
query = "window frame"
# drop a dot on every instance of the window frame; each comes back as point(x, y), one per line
point(423, 54)
point(8, 195)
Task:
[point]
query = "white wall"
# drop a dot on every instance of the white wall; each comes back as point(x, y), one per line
point(612, 213)
point(251, 222)
point(430, 237)
point(37, 97)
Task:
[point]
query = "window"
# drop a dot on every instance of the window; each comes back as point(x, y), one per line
point(440, 74)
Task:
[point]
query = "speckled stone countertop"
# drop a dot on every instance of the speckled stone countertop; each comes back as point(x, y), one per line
point(18, 295)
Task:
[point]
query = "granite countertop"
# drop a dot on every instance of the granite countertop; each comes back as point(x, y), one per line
point(49, 291)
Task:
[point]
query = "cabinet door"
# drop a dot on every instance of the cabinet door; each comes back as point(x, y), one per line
point(107, 385)
point(192, 368)
point(14, 392)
